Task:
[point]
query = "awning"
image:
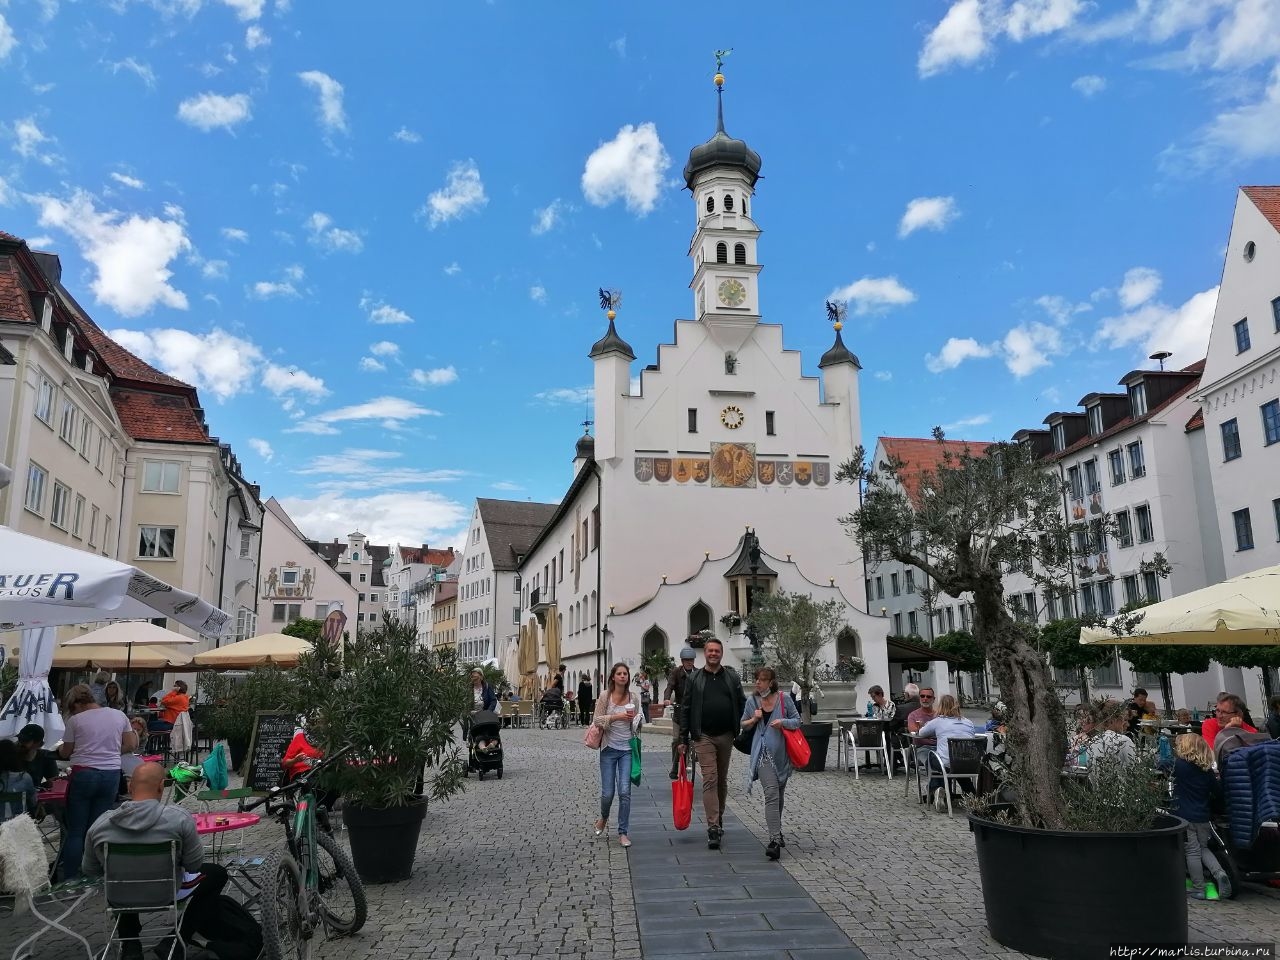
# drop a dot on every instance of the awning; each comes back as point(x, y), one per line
point(904, 651)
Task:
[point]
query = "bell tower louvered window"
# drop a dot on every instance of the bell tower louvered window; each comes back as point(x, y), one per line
point(739, 253)
point(722, 252)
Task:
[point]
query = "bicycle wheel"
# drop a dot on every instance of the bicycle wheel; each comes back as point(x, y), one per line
point(286, 933)
point(342, 901)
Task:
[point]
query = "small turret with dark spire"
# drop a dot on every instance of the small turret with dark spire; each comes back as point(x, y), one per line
point(611, 342)
point(838, 353)
point(721, 150)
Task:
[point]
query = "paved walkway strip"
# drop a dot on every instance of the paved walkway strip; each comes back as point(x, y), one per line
point(727, 904)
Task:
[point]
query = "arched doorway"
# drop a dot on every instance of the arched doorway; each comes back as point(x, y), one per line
point(654, 641)
point(699, 618)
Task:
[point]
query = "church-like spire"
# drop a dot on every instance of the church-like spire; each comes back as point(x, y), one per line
point(611, 342)
point(721, 150)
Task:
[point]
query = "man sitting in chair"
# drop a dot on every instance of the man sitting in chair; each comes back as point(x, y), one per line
point(146, 820)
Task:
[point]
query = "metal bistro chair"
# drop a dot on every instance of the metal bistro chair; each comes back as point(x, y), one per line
point(25, 887)
point(904, 747)
point(524, 713)
point(966, 755)
point(868, 737)
point(142, 879)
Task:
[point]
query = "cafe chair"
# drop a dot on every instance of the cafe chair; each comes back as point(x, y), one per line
point(904, 750)
point(25, 887)
point(868, 738)
point(966, 764)
point(144, 879)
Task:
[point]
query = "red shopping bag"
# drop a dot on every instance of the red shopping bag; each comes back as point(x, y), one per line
point(797, 748)
point(682, 799)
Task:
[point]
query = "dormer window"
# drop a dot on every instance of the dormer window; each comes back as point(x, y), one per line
point(1138, 400)
point(711, 204)
point(1095, 420)
point(728, 203)
point(722, 252)
point(1059, 437)
point(740, 253)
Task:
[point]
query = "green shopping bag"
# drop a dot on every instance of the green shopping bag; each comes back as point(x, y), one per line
point(635, 761)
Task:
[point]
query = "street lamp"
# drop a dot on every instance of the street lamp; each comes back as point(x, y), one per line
point(753, 560)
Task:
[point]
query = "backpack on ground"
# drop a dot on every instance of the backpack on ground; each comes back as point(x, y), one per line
point(231, 931)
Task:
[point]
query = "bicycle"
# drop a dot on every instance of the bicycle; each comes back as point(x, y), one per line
point(311, 883)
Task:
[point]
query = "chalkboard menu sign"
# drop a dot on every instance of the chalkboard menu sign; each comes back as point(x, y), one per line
point(272, 731)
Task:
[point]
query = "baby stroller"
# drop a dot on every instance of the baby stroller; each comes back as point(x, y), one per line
point(484, 744)
point(552, 703)
point(1246, 836)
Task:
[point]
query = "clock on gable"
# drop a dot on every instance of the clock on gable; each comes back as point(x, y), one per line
point(731, 292)
point(732, 417)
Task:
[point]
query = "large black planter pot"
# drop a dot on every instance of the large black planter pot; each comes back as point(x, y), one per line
point(384, 841)
point(1042, 895)
point(238, 748)
point(819, 737)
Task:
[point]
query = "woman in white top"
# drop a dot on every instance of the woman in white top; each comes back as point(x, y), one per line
point(96, 737)
point(618, 715)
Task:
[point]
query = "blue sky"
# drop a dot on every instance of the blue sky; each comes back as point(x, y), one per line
point(372, 235)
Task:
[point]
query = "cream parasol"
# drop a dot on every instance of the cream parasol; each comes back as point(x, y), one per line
point(277, 648)
point(553, 641)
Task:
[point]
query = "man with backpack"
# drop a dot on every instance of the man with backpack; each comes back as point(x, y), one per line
point(674, 695)
point(710, 717)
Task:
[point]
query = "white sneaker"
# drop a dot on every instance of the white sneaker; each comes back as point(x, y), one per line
point(939, 800)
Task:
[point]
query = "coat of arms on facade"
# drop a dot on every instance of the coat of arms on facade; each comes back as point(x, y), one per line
point(683, 470)
point(822, 474)
point(644, 469)
point(733, 464)
point(765, 471)
point(786, 472)
point(662, 469)
point(804, 472)
point(701, 470)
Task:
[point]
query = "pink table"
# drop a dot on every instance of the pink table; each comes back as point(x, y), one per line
point(207, 823)
point(57, 792)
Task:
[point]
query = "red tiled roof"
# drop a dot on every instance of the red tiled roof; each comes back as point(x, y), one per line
point(1267, 200)
point(122, 364)
point(158, 416)
point(5, 235)
point(439, 558)
point(920, 456)
point(1196, 422)
point(14, 302)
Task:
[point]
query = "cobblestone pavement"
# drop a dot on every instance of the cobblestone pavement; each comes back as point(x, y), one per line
point(510, 869)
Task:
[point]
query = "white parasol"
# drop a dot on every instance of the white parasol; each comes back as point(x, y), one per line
point(32, 700)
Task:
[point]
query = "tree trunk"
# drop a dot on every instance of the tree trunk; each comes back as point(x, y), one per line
point(1034, 714)
point(1084, 685)
point(1166, 691)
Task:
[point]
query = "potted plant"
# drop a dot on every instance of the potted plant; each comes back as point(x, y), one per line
point(229, 704)
point(397, 704)
point(657, 666)
point(795, 629)
point(982, 511)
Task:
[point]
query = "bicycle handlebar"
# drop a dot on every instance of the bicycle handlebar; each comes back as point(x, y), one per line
point(301, 780)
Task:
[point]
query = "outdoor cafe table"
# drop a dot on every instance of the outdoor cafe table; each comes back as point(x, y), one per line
point(848, 725)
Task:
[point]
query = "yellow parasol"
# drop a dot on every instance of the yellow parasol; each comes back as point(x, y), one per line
point(84, 656)
point(553, 640)
point(277, 648)
point(529, 647)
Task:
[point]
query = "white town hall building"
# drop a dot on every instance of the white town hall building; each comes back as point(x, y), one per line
point(725, 434)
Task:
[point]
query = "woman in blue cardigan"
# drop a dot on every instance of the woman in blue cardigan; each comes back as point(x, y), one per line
point(769, 714)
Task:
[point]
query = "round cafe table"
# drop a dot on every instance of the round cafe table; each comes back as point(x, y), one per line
point(208, 823)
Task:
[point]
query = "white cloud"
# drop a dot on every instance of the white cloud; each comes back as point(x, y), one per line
point(1182, 330)
point(235, 233)
point(546, 218)
point(285, 380)
point(384, 348)
point(213, 269)
point(130, 253)
point(463, 191)
point(874, 294)
point(630, 167)
point(435, 378)
point(7, 196)
point(261, 448)
point(270, 290)
point(619, 46)
point(332, 239)
point(419, 516)
point(383, 313)
point(960, 38)
point(372, 365)
point(1140, 285)
point(29, 140)
point(139, 69)
point(293, 273)
point(506, 486)
point(332, 115)
point(974, 421)
point(884, 376)
point(390, 412)
point(928, 213)
point(1060, 309)
point(369, 469)
point(569, 395)
point(1245, 133)
point(1090, 85)
point(127, 181)
point(255, 37)
point(452, 270)
point(1030, 346)
point(246, 9)
point(7, 38)
point(208, 111)
point(955, 352)
point(217, 362)
point(1038, 18)
point(405, 135)
point(538, 293)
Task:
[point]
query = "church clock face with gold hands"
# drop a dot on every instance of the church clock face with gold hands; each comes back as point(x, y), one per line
point(731, 292)
point(732, 417)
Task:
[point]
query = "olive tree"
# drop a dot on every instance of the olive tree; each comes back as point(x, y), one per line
point(982, 512)
point(795, 628)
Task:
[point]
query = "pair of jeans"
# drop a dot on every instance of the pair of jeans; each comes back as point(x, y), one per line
point(90, 794)
point(713, 753)
point(198, 915)
point(774, 795)
point(615, 778)
point(1199, 856)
